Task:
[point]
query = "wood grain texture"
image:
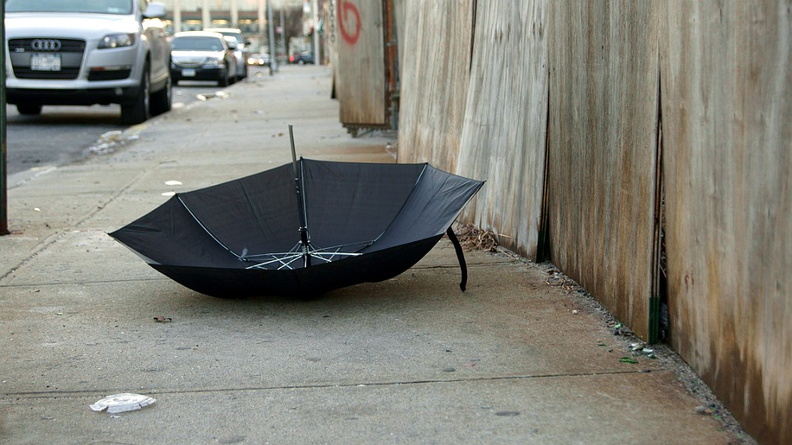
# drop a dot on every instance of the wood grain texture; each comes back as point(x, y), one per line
point(497, 90)
point(434, 82)
point(727, 74)
point(503, 138)
point(359, 63)
point(602, 150)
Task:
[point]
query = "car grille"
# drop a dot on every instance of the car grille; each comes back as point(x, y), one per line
point(109, 75)
point(70, 50)
point(188, 63)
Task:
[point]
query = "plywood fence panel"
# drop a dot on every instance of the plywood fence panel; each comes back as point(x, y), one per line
point(602, 147)
point(727, 117)
point(435, 72)
point(359, 69)
point(400, 10)
point(503, 139)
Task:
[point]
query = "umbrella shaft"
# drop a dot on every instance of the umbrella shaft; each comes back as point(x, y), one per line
point(300, 203)
point(305, 246)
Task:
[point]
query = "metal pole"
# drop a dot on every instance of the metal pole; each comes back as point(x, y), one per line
point(3, 139)
point(271, 38)
point(177, 12)
point(304, 241)
point(315, 8)
point(262, 32)
point(283, 35)
point(234, 14)
point(206, 15)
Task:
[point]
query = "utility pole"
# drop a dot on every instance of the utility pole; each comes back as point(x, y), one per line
point(206, 16)
point(177, 15)
point(3, 138)
point(262, 7)
point(271, 38)
point(315, 8)
point(234, 14)
point(283, 34)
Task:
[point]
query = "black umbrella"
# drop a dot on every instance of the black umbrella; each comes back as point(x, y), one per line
point(347, 223)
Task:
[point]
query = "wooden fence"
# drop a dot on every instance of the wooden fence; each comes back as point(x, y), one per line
point(726, 74)
point(360, 65)
point(644, 147)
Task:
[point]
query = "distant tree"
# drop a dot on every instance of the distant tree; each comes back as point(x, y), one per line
point(293, 23)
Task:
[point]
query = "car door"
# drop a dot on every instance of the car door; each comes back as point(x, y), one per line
point(159, 46)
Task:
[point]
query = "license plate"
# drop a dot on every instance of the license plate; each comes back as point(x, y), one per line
point(45, 62)
point(188, 72)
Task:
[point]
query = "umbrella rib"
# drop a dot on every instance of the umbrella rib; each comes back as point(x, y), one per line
point(417, 180)
point(205, 228)
point(286, 259)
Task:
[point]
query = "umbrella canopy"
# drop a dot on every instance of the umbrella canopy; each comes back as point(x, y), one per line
point(302, 228)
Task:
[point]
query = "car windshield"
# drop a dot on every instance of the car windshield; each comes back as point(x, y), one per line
point(196, 44)
point(90, 6)
point(237, 36)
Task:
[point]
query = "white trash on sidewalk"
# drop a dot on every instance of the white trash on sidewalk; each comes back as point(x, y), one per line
point(120, 403)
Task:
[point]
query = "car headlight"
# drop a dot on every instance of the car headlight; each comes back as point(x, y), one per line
point(117, 40)
point(211, 61)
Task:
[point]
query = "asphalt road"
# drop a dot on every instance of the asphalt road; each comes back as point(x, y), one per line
point(61, 135)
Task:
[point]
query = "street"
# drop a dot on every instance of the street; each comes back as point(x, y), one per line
point(64, 134)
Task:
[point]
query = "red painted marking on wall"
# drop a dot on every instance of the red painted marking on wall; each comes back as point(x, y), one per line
point(345, 8)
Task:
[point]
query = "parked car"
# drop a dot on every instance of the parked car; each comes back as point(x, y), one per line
point(259, 60)
point(240, 51)
point(302, 58)
point(86, 53)
point(201, 55)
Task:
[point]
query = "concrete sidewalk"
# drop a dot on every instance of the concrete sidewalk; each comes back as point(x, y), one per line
point(521, 357)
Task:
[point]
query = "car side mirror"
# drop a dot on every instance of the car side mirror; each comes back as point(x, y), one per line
point(155, 10)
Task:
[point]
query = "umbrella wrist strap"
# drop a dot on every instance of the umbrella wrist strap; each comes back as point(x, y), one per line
point(460, 257)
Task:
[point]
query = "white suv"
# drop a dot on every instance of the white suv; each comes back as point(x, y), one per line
point(240, 51)
point(77, 52)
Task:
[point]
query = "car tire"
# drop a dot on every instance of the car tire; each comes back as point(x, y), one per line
point(223, 80)
point(29, 109)
point(162, 100)
point(137, 110)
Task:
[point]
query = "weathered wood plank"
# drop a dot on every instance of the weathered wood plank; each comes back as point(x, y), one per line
point(727, 108)
point(503, 139)
point(602, 150)
point(436, 72)
point(360, 82)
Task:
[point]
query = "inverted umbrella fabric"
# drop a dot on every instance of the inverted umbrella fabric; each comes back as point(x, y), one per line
point(366, 222)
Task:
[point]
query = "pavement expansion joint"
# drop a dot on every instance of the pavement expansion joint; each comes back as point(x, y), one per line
point(152, 391)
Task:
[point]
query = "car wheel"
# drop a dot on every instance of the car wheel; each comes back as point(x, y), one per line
point(162, 100)
point(29, 109)
point(137, 110)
